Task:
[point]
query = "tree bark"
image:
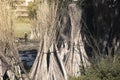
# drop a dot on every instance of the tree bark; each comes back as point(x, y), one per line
point(48, 64)
point(77, 58)
point(9, 57)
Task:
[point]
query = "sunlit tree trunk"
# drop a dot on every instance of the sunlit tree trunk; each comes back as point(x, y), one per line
point(1, 70)
point(9, 58)
point(34, 30)
point(77, 59)
point(48, 64)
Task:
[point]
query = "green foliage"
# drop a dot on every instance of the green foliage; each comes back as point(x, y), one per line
point(32, 10)
point(78, 78)
point(105, 69)
point(22, 20)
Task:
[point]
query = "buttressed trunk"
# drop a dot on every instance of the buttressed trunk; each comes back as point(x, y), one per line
point(77, 59)
point(34, 30)
point(48, 64)
point(9, 58)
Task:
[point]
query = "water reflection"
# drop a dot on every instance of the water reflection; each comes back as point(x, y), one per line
point(28, 57)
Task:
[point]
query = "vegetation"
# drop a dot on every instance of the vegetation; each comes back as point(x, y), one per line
point(106, 69)
point(9, 57)
point(32, 10)
point(100, 30)
point(80, 39)
point(21, 28)
point(22, 20)
point(48, 63)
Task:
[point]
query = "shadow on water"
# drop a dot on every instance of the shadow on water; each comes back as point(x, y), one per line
point(28, 58)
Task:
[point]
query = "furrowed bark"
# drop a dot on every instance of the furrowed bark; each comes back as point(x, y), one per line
point(77, 58)
point(48, 65)
point(9, 57)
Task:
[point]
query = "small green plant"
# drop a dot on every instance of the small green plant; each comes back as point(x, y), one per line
point(78, 78)
point(106, 69)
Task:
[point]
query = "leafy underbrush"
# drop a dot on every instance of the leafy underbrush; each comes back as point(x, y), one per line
point(104, 69)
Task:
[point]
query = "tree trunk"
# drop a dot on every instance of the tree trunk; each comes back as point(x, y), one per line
point(77, 59)
point(48, 64)
point(1, 70)
point(34, 30)
point(9, 57)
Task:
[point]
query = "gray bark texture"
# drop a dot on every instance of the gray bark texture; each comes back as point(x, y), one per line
point(9, 58)
point(77, 58)
point(48, 64)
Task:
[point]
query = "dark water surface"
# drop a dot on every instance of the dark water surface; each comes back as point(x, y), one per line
point(28, 57)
